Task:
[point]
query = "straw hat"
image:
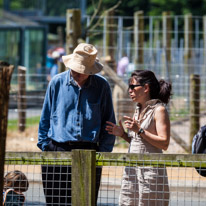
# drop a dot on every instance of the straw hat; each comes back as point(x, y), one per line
point(83, 60)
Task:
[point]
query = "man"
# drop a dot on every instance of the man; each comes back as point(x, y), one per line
point(77, 105)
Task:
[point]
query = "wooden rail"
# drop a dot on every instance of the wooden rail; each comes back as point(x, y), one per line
point(84, 164)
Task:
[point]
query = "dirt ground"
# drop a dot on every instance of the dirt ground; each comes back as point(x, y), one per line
point(22, 141)
point(27, 142)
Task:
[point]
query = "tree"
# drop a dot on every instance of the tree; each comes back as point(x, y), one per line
point(153, 7)
point(99, 9)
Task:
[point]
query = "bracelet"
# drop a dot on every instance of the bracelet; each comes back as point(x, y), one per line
point(141, 131)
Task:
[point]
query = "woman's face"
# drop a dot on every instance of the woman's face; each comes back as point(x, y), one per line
point(137, 91)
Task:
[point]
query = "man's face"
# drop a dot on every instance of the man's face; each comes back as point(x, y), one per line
point(79, 78)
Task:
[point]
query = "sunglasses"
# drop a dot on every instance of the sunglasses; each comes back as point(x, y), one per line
point(132, 86)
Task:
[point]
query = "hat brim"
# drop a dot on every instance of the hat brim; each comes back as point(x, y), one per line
point(70, 63)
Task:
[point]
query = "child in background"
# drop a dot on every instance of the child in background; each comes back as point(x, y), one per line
point(15, 182)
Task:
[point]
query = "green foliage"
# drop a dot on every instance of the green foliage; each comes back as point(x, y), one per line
point(178, 115)
point(126, 8)
point(16, 5)
point(13, 123)
point(152, 7)
point(55, 8)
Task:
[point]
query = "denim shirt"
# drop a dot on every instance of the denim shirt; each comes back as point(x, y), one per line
point(71, 113)
point(13, 198)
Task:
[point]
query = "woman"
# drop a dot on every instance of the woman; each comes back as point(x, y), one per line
point(148, 132)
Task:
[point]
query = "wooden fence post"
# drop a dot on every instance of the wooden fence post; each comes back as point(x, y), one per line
point(60, 34)
point(5, 78)
point(204, 38)
point(166, 28)
point(73, 29)
point(21, 98)
point(109, 40)
point(188, 67)
point(61, 67)
point(188, 44)
point(83, 177)
point(139, 39)
point(194, 105)
point(204, 52)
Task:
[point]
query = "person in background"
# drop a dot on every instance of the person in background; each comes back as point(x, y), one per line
point(54, 68)
point(49, 61)
point(15, 183)
point(77, 105)
point(148, 132)
point(122, 65)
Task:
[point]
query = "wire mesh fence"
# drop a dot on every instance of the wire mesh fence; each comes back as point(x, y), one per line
point(185, 186)
point(179, 108)
point(180, 35)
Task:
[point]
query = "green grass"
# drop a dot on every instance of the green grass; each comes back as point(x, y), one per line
point(180, 114)
point(13, 124)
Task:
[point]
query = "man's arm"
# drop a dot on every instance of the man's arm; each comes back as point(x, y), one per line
point(44, 123)
point(106, 141)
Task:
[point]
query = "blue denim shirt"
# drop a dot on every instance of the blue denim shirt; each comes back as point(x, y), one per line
point(71, 113)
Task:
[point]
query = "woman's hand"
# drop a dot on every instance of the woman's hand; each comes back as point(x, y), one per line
point(131, 124)
point(114, 129)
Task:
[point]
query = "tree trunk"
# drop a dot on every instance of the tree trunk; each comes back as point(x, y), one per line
point(5, 78)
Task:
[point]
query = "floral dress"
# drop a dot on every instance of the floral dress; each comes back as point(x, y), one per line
point(144, 186)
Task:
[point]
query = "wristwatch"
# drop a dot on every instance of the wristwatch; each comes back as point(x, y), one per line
point(141, 131)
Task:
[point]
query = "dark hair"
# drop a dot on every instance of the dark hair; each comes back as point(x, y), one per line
point(158, 89)
point(16, 180)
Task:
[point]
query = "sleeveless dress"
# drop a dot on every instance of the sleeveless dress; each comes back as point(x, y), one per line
point(144, 186)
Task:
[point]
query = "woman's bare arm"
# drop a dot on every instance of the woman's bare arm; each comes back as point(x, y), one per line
point(162, 137)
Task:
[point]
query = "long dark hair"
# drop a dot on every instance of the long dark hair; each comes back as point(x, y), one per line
point(158, 89)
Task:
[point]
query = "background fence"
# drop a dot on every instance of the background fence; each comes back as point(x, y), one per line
point(27, 113)
point(186, 186)
point(171, 46)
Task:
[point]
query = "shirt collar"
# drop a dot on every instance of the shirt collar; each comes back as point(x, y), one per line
point(150, 103)
point(91, 81)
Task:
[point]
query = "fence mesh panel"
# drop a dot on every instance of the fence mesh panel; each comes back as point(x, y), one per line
point(185, 185)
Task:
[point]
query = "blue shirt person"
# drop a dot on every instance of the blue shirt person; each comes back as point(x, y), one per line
point(77, 105)
point(54, 67)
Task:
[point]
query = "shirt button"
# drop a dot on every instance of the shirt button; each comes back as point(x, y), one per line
point(78, 124)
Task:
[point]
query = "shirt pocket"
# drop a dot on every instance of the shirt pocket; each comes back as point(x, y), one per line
point(92, 112)
point(92, 119)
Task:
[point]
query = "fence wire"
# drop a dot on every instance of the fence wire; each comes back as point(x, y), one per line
point(28, 115)
point(185, 185)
